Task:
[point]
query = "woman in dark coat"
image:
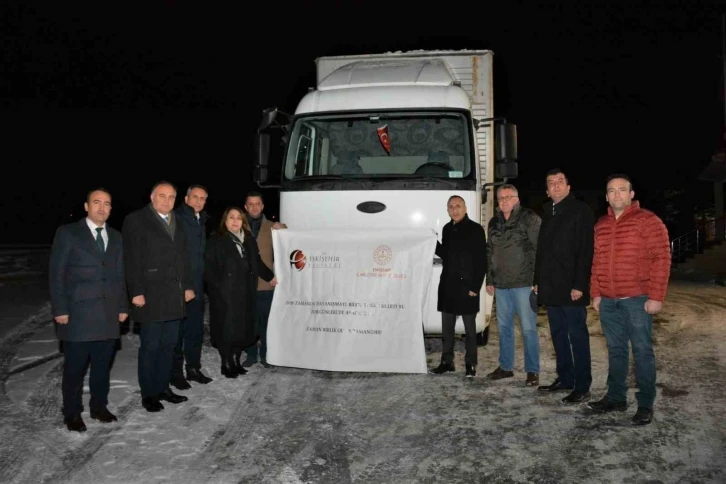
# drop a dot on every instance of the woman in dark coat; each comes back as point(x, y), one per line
point(232, 266)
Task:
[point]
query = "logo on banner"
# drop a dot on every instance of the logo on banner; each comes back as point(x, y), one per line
point(297, 259)
point(382, 255)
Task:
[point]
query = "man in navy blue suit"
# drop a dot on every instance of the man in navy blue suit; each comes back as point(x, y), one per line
point(89, 299)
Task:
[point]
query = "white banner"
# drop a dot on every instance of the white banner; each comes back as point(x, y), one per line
point(350, 300)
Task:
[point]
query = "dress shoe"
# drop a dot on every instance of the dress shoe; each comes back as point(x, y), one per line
point(171, 397)
point(152, 404)
point(195, 374)
point(643, 416)
point(240, 367)
point(75, 424)
point(499, 374)
point(265, 364)
point(576, 397)
point(443, 368)
point(557, 386)
point(605, 405)
point(179, 382)
point(103, 415)
point(230, 371)
point(532, 379)
point(470, 371)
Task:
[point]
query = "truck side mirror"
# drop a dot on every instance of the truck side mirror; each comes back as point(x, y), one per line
point(263, 156)
point(505, 151)
point(268, 117)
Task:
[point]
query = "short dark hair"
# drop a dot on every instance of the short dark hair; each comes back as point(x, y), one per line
point(622, 176)
point(557, 171)
point(97, 189)
point(201, 187)
point(254, 194)
point(453, 197)
point(163, 182)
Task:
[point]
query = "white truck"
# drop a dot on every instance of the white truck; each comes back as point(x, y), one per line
point(384, 140)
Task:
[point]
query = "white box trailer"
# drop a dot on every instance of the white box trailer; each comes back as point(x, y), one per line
point(385, 139)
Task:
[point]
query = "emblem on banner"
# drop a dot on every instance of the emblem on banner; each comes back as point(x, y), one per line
point(382, 255)
point(297, 259)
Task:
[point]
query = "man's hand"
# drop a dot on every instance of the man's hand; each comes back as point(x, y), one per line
point(138, 301)
point(653, 307)
point(534, 288)
point(122, 317)
point(273, 282)
point(490, 290)
point(278, 226)
point(472, 293)
point(575, 294)
point(188, 295)
point(62, 319)
point(596, 303)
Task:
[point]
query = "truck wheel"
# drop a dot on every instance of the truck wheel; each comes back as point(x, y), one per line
point(483, 338)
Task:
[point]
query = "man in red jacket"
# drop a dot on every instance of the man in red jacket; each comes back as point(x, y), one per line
point(630, 271)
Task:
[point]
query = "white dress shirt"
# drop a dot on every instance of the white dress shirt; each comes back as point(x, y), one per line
point(104, 233)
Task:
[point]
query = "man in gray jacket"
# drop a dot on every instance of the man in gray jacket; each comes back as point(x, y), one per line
point(511, 254)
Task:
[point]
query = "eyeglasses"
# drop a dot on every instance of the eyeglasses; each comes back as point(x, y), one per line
point(506, 199)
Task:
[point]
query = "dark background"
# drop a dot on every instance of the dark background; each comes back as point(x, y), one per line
point(124, 94)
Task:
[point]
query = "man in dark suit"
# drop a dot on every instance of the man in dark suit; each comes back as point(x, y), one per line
point(562, 282)
point(192, 217)
point(88, 296)
point(156, 260)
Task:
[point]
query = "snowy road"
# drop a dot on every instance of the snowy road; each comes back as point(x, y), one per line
point(294, 426)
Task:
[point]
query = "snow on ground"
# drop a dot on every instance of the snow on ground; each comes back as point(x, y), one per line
point(286, 425)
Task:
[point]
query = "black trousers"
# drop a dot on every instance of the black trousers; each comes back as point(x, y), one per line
point(76, 357)
point(229, 354)
point(156, 353)
point(263, 304)
point(571, 340)
point(191, 336)
point(448, 325)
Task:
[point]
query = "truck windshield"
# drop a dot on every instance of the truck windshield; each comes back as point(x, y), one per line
point(368, 146)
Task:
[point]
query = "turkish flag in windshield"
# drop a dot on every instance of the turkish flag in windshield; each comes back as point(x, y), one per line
point(384, 138)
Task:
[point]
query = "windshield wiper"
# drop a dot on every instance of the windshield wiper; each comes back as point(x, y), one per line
point(328, 178)
point(429, 179)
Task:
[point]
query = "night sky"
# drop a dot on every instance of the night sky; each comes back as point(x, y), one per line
point(126, 95)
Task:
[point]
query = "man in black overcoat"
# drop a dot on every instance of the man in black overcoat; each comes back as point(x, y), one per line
point(156, 261)
point(463, 251)
point(562, 282)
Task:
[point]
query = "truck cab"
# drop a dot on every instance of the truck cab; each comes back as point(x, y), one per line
point(384, 140)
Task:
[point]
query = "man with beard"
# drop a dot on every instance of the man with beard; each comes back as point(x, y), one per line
point(88, 297)
point(262, 232)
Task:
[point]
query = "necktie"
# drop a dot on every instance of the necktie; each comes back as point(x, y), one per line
point(99, 239)
point(166, 218)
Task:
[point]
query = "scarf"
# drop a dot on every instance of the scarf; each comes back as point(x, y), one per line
point(239, 240)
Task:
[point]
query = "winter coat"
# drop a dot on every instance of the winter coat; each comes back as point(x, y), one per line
point(512, 248)
point(231, 286)
point(632, 255)
point(564, 253)
point(463, 251)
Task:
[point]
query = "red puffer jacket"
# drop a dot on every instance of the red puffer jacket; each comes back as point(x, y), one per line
point(632, 255)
